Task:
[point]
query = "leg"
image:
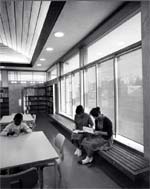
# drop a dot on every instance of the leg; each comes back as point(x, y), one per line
point(40, 173)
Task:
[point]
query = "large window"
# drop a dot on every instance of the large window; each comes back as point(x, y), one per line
point(52, 74)
point(70, 65)
point(106, 88)
point(32, 77)
point(130, 98)
point(75, 91)
point(68, 90)
point(90, 88)
point(114, 83)
point(63, 95)
point(126, 34)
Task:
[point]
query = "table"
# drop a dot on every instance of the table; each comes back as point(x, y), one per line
point(32, 149)
point(9, 118)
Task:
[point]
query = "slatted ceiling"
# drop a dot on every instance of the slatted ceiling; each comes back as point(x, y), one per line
point(35, 14)
point(34, 17)
point(10, 12)
point(2, 34)
point(26, 23)
point(19, 26)
point(5, 23)
point(42, 15)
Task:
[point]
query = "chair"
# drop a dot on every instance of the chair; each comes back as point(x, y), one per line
point(24, 179)
point(58, 144)
point(32, 124)
point(34, 118)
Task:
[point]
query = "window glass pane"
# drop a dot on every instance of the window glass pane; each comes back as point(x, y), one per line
point(12, 76)
point(76, 91)
point(68, 96)
point(52, 74)
point(90, 88)
point(130, 98)
point(126, 34)
point(71, 64)
point(63, 99)
point(106, 89)
point(39, 76)
point(25, 76)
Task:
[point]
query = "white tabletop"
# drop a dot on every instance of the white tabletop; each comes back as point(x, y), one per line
point(28, 149)
point(9, 118)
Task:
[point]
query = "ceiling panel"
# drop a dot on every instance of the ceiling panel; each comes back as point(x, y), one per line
point(5, 23)
point(19, 11)
point(20, 27)
point(42, 14)
point(33, 22)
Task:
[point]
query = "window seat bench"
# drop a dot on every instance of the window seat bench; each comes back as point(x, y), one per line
point(127, 160)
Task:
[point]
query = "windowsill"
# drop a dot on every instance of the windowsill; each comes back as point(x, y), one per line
point(129, 143)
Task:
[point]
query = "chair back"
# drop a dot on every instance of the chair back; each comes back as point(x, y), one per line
point(34, 118)
point(24, 179)
point(59, 143)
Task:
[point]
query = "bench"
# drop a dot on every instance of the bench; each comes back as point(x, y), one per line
point(123, 158)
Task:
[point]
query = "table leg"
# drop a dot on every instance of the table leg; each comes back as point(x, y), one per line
point(40, 173)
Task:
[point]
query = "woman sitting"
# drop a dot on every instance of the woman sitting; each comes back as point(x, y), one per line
point(81, 119)
point(101, 136)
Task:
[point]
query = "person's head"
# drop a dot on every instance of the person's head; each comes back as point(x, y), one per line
point(95, 112)
point(79, 109)
point(18, 119)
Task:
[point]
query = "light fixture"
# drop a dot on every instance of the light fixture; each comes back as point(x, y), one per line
point(42, 59)
point(58, 34)
point(39, 64)
point(49, 49)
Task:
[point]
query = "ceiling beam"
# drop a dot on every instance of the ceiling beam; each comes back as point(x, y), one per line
point(51, 18)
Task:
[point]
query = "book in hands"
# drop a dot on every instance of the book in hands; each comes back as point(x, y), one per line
point(88, 130)
point(85, 130)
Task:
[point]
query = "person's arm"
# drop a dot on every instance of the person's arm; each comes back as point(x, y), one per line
point(91, 122)
point(26, 128)
point(6, 130)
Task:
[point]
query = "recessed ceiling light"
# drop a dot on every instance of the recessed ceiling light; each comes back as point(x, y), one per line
point(39, 64)
point(58, 34)
point(49, 49)
point(42, 59)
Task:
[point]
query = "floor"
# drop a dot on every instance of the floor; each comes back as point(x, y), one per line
point(100, 175)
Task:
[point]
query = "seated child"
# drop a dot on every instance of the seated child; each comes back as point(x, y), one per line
point(16, 127)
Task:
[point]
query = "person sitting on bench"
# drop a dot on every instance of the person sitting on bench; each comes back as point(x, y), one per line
point(101, 136)
point(82, 119)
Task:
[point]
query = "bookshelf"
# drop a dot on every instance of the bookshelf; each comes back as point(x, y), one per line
point(35, 100)
point(49, 95)
point(4, 101)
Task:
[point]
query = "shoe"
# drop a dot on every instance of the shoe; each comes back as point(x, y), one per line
point(76, 151)
point(87, 160)
point(79, 154)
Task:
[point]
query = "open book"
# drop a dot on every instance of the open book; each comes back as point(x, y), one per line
point(85, 130)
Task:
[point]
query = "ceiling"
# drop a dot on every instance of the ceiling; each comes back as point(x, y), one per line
point(27, 28)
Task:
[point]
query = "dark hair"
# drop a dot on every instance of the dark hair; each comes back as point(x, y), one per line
point(95, 111)
point(79, 109)
point(18, 118)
